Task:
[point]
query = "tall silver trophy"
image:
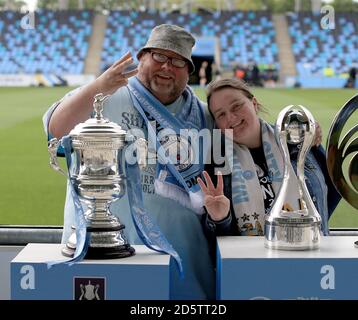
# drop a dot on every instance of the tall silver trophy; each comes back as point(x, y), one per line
point(298, 229)
point(98, 180)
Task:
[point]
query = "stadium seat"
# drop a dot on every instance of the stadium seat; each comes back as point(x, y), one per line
point(319, 48)
point(57, 34)
point(243, 36)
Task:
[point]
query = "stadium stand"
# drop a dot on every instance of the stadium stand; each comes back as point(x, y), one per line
point(244, 36)
point(58, 44)
point(323, 55)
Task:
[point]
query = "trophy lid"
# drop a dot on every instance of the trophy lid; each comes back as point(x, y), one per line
point(98, 126)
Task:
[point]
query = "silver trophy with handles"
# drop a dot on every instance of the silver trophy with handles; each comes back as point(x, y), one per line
point(98, 180)
point(287, 228)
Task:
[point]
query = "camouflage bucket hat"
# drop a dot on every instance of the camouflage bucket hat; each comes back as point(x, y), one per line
point(172, 38)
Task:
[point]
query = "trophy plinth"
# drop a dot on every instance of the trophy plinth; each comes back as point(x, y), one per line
point(292, 233)
point(286, 227)
point(97, 179)
point(106, 243)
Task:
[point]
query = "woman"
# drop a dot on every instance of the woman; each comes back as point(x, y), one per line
point(237, 203)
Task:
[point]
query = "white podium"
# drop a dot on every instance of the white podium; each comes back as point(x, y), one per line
point(248, 270)
point(142, 276)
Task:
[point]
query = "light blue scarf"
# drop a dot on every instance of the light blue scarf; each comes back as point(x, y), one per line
point(172, 181)
point(82, 236)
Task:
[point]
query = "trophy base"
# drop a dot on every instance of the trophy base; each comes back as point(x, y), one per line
point(105, 243)
point(102, 253)
point(290, 236)
point(122, 251)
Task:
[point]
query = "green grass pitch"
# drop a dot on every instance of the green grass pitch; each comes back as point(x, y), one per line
point(31, 193)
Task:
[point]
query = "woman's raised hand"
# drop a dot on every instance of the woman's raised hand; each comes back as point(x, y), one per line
point(216, 203)
point(116, 75)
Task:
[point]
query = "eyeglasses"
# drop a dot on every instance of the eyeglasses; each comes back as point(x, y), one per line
point(161, 58)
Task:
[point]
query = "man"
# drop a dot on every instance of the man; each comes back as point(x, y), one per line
point(161, 80)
